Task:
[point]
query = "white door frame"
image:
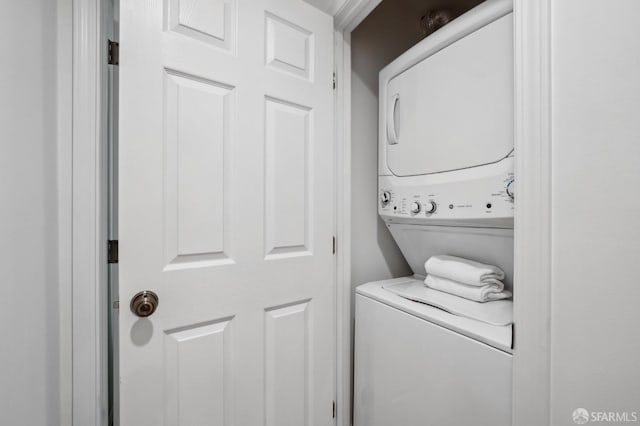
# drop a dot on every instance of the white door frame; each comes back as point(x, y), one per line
point(532, 316)
point(352, 13)
point(533, 250)
point(83, 191)
point(83, 199)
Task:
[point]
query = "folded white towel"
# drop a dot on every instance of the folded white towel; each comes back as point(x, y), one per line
point(479, 293)
point(463, 270)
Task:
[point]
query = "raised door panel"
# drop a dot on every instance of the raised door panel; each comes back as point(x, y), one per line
point(287, 365)
point(209, 21)
point(288, 192)
point(198, 375)
point(198, 130)
point(288, 47)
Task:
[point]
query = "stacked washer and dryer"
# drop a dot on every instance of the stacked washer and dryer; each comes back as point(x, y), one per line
point(446, 187)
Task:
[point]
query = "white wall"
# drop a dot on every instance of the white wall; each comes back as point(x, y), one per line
point(386, 33)
point(595, 347)
point(29, 313)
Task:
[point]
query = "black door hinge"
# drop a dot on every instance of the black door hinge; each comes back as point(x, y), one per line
point(113, 56)
point(334, 81)
point(513, 336)
point(334, 245)
point(112, 251)
point(334, 409)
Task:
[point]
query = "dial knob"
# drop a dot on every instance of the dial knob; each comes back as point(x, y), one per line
point(385, 197)
point(415, 207)
point(511, 189)
point(430, 207)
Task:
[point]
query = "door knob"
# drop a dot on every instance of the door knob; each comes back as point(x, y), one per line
point(144, 303)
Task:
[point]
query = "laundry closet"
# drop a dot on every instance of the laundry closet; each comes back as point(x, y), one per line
point(432, 176)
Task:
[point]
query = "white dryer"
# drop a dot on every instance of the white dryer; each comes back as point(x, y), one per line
point(446, 187)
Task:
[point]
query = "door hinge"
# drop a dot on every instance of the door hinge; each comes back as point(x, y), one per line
point(513, 336)
point(334, 81)
point(334, 409)
point(112, 251)
point(113, 55)
point(334, 245)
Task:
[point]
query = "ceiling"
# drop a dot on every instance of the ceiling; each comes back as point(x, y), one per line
point(329, 6)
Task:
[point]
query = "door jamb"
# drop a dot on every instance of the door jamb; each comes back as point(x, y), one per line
point(350, 15)
point(532, 143)
point(533, 224)
point(86, 197)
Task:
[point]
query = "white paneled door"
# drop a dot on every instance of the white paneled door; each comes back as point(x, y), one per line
point(226, 213)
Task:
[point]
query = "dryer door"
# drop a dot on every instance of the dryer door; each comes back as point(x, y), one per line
point(454, 109)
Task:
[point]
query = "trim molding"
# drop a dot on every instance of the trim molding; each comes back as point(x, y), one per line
point(344, 326)
point(533, 250)
point(88, 271)
point(350, 15)
point(64, 83)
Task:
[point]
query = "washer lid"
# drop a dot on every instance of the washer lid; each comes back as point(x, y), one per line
point(499, 337)
point(454, 109)
point(497, 312)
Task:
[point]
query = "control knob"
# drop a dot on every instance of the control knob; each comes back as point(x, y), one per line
point(430, 207)
point(385, 197)
point(415, 207)
point(511, 189)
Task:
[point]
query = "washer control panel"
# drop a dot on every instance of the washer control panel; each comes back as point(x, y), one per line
point(490, 197)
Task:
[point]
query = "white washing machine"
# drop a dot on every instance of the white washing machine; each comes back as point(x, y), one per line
point(446, 187)
point(417, 365)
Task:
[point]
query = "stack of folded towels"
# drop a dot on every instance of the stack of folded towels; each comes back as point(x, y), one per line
point(465, 278)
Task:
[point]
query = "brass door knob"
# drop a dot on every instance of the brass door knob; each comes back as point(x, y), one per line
point(144, 303)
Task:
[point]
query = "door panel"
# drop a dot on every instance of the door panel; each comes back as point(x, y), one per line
point(287, 361)
point(226, 212)
point(287, 181)
point(198, 122)
point(198, 382)
point(213, 21)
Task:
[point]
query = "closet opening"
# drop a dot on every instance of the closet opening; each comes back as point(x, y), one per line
point(431, 171)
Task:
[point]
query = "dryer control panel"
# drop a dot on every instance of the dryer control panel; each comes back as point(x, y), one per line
point(481, 201)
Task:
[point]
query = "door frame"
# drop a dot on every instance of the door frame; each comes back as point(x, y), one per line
point(532, 229)
point(348, 17)
point(82, 153)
